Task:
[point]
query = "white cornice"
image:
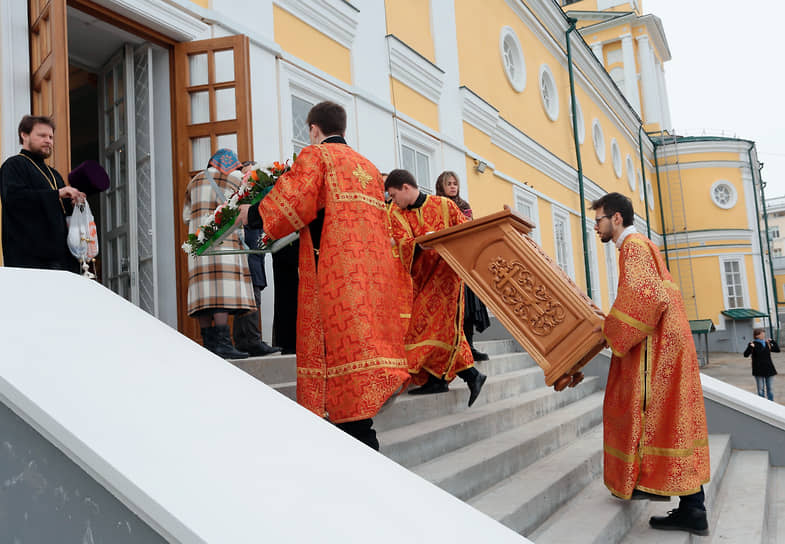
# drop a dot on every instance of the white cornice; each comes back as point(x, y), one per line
point(477, 112)
point(702, 146)
point(743, 402)
point(335, 19)
point(414, 70)
point(171, 21)
point(702, 164)
point(708, 236)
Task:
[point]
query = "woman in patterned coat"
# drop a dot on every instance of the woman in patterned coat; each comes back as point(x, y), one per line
point(217, 284)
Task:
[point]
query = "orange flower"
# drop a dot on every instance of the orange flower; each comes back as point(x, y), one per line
point(277, 166)
point(255, 175)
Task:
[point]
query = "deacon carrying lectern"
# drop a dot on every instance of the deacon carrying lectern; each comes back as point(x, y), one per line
point(532, 297)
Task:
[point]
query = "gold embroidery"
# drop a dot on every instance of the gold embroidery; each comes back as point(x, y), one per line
point(677, 452)
point(631, 321)
point(288, 211)
point(406, 316)
point(435, 343)
point(354, 366)
point(332, 176)
point(627, 458)
point(364, 177)
point(359, 197)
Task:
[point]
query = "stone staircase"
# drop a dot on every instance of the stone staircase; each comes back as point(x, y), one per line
point(531, 458)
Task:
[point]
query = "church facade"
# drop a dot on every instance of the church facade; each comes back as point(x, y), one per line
point(541, 106)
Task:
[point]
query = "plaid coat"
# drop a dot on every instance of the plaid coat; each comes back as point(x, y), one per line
point(216, 282)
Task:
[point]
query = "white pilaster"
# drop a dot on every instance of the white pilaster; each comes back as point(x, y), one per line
point(665, 114)
point(445, 42)
point(14, 73)
point(649, 83)
point(597, 50)
point(630, 74)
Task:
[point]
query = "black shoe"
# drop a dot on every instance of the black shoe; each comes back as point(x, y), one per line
point(259, 349)
point(692, 520)
point(222, 344)
point(638, 495)
point(479, 356)
point(475, 386)
point(431, 387)
point(288, 351)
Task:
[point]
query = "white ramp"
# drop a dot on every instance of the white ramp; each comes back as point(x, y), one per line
point(199, 450)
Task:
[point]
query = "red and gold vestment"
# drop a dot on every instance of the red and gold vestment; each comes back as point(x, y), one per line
point(654, 420)
point(350, 358)
point(435, 341)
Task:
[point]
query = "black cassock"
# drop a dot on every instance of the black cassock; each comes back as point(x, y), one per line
point(34, 224)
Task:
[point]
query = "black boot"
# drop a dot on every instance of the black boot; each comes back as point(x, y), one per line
point(692, 520)
point(433, 385)
point(259, 349)
point(478, 355)
point(208, 337)
point(475, 380)
point(223, 344)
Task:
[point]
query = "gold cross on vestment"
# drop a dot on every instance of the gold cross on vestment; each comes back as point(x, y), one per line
point(364, 177)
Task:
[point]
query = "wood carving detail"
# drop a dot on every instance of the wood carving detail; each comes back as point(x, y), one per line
point(529, 299)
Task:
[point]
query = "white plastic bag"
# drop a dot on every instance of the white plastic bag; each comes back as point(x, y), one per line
point(82, 233)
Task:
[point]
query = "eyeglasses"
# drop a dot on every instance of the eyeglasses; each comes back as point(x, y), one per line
point(600, 218)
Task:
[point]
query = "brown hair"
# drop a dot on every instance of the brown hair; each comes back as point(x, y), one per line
point(329, 117)
point(757, 330)
point(616, 202)
point(398, 178)
point(29, 121)
point(441, 181)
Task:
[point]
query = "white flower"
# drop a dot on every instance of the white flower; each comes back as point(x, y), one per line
point(269, 166)
point(200, 236)
point(186, 247)
point(233, 201)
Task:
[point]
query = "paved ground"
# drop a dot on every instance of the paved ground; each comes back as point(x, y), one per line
point(736, 370)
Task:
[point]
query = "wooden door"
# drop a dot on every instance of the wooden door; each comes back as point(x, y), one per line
point(212, 109)
point(49, 74)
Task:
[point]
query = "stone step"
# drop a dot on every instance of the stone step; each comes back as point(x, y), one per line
point(497, 347)
point(592, 516)
point(719, 456)
point(475, 468)
point(408, 409)
point(741, 508)
point(272, 369)
point(527, 498)
point(423, 441)
point(776, 503)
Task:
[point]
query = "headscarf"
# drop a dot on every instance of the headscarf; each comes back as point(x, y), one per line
point(225, 161)
point(461, 203)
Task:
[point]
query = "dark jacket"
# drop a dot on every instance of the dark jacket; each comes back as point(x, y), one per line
point(761, 358)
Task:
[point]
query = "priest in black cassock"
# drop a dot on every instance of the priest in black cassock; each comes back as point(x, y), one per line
point(35, 202)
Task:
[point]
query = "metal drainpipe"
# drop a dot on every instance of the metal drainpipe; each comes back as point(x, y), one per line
point(662, 213)
point(771, 259)
point(578, 159)
point(760, 241)
point(643, 180)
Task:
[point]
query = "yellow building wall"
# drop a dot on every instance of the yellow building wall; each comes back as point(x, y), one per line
point(410, 21)
point(415, 105)
point(701, 212)
point(304, 42)
point(204, 3)
point(780, 280)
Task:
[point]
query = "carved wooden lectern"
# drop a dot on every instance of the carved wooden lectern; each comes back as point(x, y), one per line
point(533, 298)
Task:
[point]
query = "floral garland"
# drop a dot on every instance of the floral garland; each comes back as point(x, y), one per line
point(257, 182)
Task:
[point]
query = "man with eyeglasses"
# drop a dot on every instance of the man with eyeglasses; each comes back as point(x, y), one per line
point(654, 419)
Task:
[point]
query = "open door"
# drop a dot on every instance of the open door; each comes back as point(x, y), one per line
point(212, 109)
point(49, 74)
point(128, 206)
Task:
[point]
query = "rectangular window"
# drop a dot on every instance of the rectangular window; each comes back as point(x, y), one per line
point(418, 164)
point(612, 272)
point(774, 232)
point(594, 267)
point(562, 241)
point(526, 205)
point(300, 131)
point(734, 285)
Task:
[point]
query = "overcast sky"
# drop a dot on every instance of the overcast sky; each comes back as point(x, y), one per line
point(727, 73)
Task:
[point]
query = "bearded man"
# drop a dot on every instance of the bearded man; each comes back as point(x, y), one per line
point(35, 202)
